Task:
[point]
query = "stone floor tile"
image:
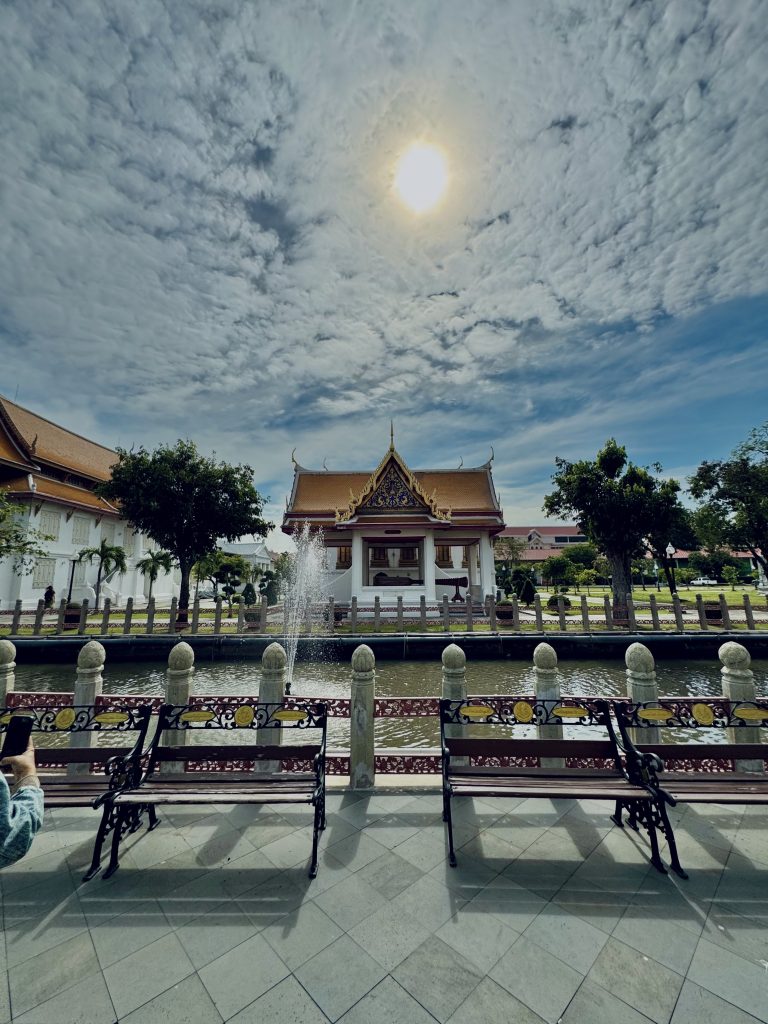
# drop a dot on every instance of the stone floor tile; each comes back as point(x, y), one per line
point(593, 1005)
point(25, 873)
point(492, 849)
point(46, 975)
point(389, 803)
point(637, 979)
point(350, 902)
point(301, 934)
point(42, 927)
point(389, 935)
point(87, 1002)
point(5, 995)
point(187, 1002)
point(480, 939)
point(357, 850)
point(120, 936)
point(489, 1003)
point(658, 937)
point(274, 898)
point(146, 973)
point(734, 979)
point(698, 1006)
point(600, 907)
point(339, 976)
point(241, 975)
point(746, 936)
point(286, 1003)
point(430, 902)
point(543, 982)
point(437, 977)
point(571, 939)
point(390, 874)
point(512, 904)
point(150, 848)
point(391, 830)
point(424, 850)
point(291, 850)
point(467, 878)
point(217, 931)
point(388, 1003)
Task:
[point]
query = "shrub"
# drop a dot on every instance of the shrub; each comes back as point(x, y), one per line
point(552, 602)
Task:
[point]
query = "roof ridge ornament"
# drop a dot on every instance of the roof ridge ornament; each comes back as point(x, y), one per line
point(391, 435)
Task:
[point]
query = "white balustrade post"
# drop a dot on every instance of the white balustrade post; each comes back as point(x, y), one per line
point(88, 685)
point(738, 683)
point(455, 687)
point(362, 769)
point(271, 691)
point(547, 687)
point(178, 690)
point(642, 686)
point(7, 670)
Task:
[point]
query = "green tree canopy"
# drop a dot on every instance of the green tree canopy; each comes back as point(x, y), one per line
point(185, 502)
point(111, 558)
point(558, 569)
point(615, 504)
point(581, 554)
point(734, 497)
point(152, 564)
point(16, 540)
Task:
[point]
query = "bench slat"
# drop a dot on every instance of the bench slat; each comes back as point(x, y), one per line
point(142, 796)
point(459, 746)
point(237, 752)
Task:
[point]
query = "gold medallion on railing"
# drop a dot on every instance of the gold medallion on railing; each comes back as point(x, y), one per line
point(523, 711)
point(6, 718)
point(703, 714)
point(196, 716)
point(65, 718)
point(111, 717)
point(476, 711)
point(244, 715)
point(655, 714)
point(564, 711)
point(290, 715)
point(751, 714)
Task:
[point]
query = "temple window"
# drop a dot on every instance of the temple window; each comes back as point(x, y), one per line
point(343, 557)
point(443, 556)
point(393, 565)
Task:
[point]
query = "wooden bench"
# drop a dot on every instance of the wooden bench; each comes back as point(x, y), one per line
point(65, 772)
point(179, 774)
point(699, 772)
point(590, 769)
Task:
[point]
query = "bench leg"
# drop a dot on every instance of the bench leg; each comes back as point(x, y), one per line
point(318, 826)
point(121, 826)
point(449, 822)
point(618, 811)
point(666, 827)
point(107, 821)
point(648, 815)
point(153, 820)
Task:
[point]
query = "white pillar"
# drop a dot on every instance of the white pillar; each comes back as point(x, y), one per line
point(642, 686)
point(357, 568)
point(88, 685)
point(487, 568)
point(738, 682)
point(429, 566)
point(7, 670)
point(455, 687)
point(271, 691)
point(547, 687)
point(362, 769)
point(178, 690)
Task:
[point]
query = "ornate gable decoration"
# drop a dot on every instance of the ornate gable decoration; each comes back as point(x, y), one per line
point(392, 487)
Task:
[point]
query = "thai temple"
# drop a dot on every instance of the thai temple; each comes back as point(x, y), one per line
point(398, 532)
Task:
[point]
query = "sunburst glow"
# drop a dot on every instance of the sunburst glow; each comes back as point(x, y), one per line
point(421, 177)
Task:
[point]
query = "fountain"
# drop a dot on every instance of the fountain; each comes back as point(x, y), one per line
point(304, 591)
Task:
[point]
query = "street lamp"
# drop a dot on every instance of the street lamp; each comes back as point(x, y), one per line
point(670, 550)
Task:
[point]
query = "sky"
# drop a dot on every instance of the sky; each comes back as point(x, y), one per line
point(201, 238)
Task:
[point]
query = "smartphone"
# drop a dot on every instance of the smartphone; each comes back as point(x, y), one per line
point(17, 735)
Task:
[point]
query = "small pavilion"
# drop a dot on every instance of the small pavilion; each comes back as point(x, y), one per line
point(398, 532)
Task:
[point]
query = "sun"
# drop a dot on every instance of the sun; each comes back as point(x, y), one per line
point(421, 177)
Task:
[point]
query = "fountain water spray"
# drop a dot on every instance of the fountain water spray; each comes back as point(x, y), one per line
point(307, 584)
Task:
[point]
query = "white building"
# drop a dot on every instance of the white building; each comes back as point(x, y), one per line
point(51, 473)
point(254, 552)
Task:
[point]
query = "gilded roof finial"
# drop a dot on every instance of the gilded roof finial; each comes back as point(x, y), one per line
point(293, 457)
point(391, 435)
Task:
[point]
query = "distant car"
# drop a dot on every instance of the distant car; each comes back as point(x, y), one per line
point(703, 581)
point(205, 593)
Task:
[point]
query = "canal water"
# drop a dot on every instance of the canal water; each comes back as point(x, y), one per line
point(396, 679)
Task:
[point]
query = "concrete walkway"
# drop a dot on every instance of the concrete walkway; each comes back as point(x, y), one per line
point(552, 915)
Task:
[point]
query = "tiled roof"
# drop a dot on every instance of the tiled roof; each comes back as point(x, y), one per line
point(65, 494)
point(9, 453)
point(458, 489)
point(47, 442)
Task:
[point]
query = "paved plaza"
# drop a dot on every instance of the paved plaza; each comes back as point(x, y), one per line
point(552, 915)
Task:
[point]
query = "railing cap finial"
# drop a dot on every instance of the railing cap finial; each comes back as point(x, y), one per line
point(274, 657)
point(7, 652)
point(91, 655)
point(639, 659)
point(181, 657)
point(363, 659)
point(454, 657)
point(734, 656)
point(545, 656)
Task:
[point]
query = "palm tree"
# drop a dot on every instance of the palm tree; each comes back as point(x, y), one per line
point(151, 564)
point(111, 557)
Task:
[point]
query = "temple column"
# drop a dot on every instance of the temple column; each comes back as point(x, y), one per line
point(357, 565)
point(471, 573)
point(487, 568)
point(429, 566)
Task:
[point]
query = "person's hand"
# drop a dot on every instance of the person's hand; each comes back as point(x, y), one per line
point(23, 764)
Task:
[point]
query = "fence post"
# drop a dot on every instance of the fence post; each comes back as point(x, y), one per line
point(271, 691)
point(748, 615)
point(16, 618)
point(62, 613)
point(83, 617)
point(240, 617)
point(446, 614)
point(353, 615)
point(725, 615)
point(678, 610)
point(455, 687)
point(195, 615)
point(585, 614)
point(547, 687)
point(376, 614)
point(608, 612)
point(172, 615)
point(655, 614)
point(150, 615)
point(217, 616)
point(128, 616)
point(492, 614)
point(703, 624)
point(738, 683)
point(88, 685)
point(308, 619)
point(362, 766)
point(178, 690)
point(399, 613)
point(331, 614)
point(423, 614)
point(515, 613)
point(642, 686)
point(263, 616)
point(38, 617)
point(561, 613)
point(285, 619)
point(470, 624)
point(539, 616)
point(631, 614)
point(105, 617)
point(7, 670)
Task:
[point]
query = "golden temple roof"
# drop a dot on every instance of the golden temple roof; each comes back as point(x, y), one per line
point(52, 490)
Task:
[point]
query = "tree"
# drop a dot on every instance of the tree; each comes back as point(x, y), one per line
point(111, 558)
point(249, 593)
point(673, 524)
point(268, 586)
point(557, 569)
point(184, 502)
point(509, 549)
point(615, 504)
point(712, 563)
point(731, 576)
point(16, 541)
point(585, 578)
point(230, 573)
point(525, 589)
point(734, 497)
point(581, 554)
point(151, 564)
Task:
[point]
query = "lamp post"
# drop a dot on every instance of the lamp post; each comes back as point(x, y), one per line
point(71, 579)
point(670, 550)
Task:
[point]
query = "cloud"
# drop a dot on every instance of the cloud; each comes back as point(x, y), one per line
point(200, 236)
